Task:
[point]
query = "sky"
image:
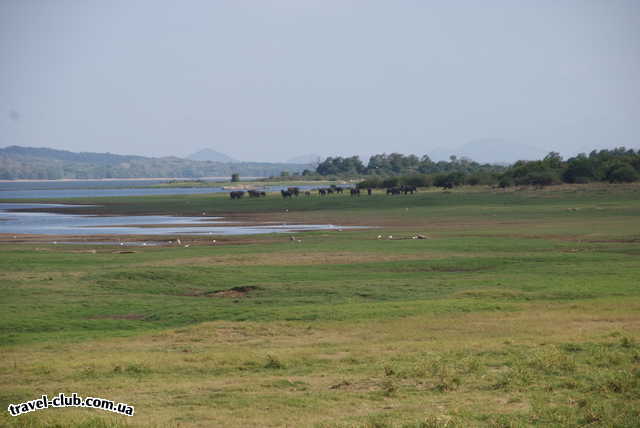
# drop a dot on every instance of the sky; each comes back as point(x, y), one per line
point(268, 80)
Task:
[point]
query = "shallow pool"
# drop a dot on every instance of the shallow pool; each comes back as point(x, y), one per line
point(18, 222)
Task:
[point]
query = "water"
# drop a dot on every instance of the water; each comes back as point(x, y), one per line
point(73, 224)
point(96, 188)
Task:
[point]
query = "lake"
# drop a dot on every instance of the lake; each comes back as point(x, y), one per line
point(16, 222)
point(94, 188)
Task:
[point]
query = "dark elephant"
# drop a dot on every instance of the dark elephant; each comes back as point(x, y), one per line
point(394, 191)
point(295, 191)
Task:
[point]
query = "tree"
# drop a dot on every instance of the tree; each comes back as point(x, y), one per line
point(622, 173)
point(580, 169)
point(553, 160)
point(235, 177)
point(338, 165)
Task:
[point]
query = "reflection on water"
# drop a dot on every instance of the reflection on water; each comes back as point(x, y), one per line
point(73, 224)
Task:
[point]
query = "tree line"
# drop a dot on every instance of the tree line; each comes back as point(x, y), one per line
point(617, 165)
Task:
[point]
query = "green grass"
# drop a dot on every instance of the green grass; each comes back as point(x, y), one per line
point(520, 309)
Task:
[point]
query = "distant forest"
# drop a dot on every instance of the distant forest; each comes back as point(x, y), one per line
point(42, 163)
point(382, 170)
point(615, 166)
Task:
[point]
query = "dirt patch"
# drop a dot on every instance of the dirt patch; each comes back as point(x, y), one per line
point(447, 269)
point(614, 241)
point(118, 317)
point(234, 292)
point(306, 258)
point(492, 293)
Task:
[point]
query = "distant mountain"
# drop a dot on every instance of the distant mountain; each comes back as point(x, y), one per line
point(494, 151)
point(43, 163)
point(311, 158)
point(210, 155)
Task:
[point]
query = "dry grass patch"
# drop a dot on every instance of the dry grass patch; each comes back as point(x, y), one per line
point(235, 374)
point(301, 258)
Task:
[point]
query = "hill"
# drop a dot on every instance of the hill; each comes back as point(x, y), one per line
point(18, 162)
point(210, 155)
point(19, 152)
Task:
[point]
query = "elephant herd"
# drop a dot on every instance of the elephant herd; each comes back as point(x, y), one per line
point(237, 194)
point(295, 191)
point(399, 190)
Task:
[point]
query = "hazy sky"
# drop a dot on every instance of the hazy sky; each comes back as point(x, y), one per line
point(269, 80)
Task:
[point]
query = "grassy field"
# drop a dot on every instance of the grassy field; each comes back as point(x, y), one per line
point(520, 308)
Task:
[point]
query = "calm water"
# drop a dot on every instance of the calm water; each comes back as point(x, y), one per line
point(72, 224)
point(93, 188)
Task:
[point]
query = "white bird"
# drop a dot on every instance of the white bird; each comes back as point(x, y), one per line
point(214, 242)
point(144, 244)
point(390, 237)
point(178, 241)
point(187, 246)
point(121, 244)
point(379, 236)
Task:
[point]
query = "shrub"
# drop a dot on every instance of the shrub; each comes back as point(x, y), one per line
point(622, 173)
point(418, 180)
point(538, 178)
point(449, 181)
point(371, 182)
point(391, 182)
point(505, 181)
